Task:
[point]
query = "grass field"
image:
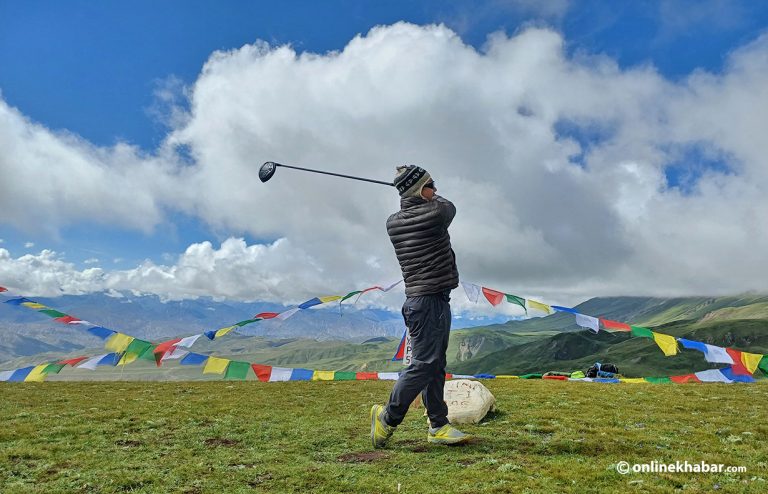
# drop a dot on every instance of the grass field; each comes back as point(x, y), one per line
point(314, 437)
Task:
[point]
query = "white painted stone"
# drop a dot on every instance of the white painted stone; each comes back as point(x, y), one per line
point(468, 401)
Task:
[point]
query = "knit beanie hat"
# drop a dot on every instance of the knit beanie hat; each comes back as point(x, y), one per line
point(410, 179)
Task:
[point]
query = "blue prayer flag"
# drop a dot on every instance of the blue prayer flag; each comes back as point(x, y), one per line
point(310, 303)
point(20, 374)
point(102, 333)
point(194, 359)
point(564, 309)
point(302, 375)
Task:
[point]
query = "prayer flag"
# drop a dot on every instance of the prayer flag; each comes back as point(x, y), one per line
point(52, 313)
point(618, 326)
point(514, 299)
point(667, 343)
point(763, 365)
point(329, 298)
point(717, 355)
point(67, 320)
point(265, 315)
point(188, 341)
point(237, 370)
point(472, 291)
point(72, 361)
point(712, 376)
point(17, 301)
point(3, 289)
point(344, 376)
point(193, 359)
point(91, 363)
point(280, 374)
point(33, 305)
point(367, 376)
point(175, 354)
point(658, 380)
point(390, 286)
point(693, 345)
point(165, 346)
point(730, 373)
point(263, 372)
point(246, 322)
point(53, 368)
point(216, 365)
point(302, 375)
point(102, 333)
point(37, 375)
point(118, 342)
point(389, 376)
point(589, 322)
point(687, 378)
point(641, 332)
point(310, 303)
point(323, 376)
point(285, 315)
point(400, 352)
point(5, 375)
point(350, 295)
point(493, 296)
point(532, 304)
point(19, 375)
point(738, 367)
point(633, 380)
point(564, 309)
point(109, 359)
point(751, 361)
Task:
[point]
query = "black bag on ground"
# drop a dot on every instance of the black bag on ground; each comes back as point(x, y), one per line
point(602, 370)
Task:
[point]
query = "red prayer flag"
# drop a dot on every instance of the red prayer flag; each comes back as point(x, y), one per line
point(3, 289)
point(165, 347)
point(619, 326)
point(262, 371)
point(66, 319)
point(72, 361)
point(449, 376)
point(556, 378)
point(738, 366)
point(265, 315)
point(687, 378)
point(400, 352)
point(365, 376)
point(493, 296)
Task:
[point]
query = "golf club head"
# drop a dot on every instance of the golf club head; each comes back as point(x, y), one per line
point(267, 170)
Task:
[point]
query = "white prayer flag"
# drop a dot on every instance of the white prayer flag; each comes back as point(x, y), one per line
point(280, 374)
point(472, 291)
point(717, 355)
point(590, 322)
point(91, 363)
point(712, 376)
point(388, 376)
point(285, 315)
point(188, 341)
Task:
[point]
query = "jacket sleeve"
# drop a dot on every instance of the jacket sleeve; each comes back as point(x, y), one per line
point(447, 210)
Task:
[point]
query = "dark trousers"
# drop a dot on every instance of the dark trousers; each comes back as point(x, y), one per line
point(428, 319)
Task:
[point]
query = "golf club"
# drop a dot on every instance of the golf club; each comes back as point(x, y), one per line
point(268, 169)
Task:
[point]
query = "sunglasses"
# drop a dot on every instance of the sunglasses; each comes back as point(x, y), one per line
point(431, 185)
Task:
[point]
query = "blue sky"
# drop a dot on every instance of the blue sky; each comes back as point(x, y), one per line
point(94, 69)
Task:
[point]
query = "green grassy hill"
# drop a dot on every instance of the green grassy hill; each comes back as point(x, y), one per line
point(634, 356)
point(239, 437)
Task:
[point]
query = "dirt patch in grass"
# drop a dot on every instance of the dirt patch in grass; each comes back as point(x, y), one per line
point(366, 457)
point(220, 441)
point(260, 480)
point(128, 443)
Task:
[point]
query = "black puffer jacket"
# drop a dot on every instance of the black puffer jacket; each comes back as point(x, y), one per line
point(419, 233)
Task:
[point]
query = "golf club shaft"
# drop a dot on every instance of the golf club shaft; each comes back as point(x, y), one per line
point(337, 174)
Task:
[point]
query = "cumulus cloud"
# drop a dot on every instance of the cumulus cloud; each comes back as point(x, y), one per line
point(559, 166)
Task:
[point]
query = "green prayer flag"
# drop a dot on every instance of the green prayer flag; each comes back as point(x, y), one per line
point(514, 299)
point(53, 368)
point(52, 313)
point(763, 365)
point(531, 376)
point(641, 332)
point(237, 370)
point(657, 380)
point(344, 376)
point(247, 321)
point(138, 347)
point(350, 294)
point(149, 353)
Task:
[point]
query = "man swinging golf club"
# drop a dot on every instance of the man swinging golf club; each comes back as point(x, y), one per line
point(419, 233)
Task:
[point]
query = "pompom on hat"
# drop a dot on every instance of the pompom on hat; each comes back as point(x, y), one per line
point(410, 179)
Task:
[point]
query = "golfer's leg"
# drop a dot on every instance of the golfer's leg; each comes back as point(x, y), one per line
point(433, 394)
point(416, 376)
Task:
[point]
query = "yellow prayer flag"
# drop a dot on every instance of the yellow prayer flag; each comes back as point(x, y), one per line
point(633, 380)
point(323, 376)
point(33, 305)
point(667, 343)
point(750, 361)
point(507, 377)
point(215, 365)
point(118, 342)
point(532, 304)
point(223, 331)
point(37, 375)
point(127, 358)
point(329, 298)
